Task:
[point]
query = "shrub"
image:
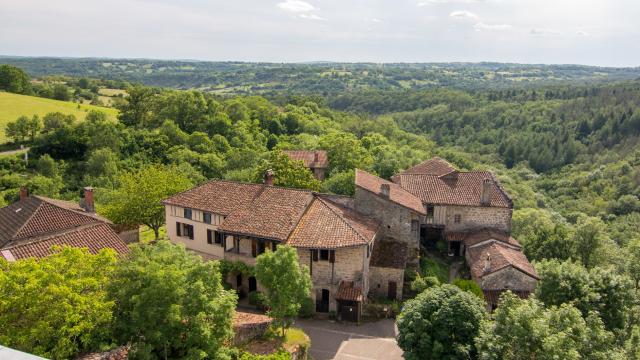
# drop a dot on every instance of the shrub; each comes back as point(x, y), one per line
point(306, 308)
point(470, 286)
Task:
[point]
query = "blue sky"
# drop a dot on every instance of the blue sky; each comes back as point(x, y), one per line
point(593, 32)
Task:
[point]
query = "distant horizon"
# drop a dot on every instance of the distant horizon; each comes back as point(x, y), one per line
point(462, 62)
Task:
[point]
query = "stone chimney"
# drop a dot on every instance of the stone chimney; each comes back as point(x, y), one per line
point(24, 192)
point(485, 195)
point(385, 190)
point(487, 264)
point(269, 176)
point(87, 202)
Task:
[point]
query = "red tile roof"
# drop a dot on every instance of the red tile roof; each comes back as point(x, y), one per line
point(397, 194)
point(349, 292)
point(329, 225)
point(389, 254)
point(95, 237)
point(455, 188)
point(309, 158)
point(501, 256)
point(272, 214)
point(217, 196)
point(119, 353)
point(477, 236)
point(434, 166)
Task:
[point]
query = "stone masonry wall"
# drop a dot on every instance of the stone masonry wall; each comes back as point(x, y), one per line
point(395, 220)
point(379, 278)
point(472, 217)
point(508, 278)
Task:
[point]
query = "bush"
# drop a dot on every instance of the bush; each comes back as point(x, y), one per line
point(470, 286)
point(258, 299)
point(421, 283)
point(306, 308)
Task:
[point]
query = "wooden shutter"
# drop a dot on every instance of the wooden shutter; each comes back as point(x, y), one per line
point(178, 229)
point(209, 235)
point(332, 256)
point(315, 255)
point(254, 248)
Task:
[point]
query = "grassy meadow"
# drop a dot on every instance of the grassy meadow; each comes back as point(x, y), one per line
point(13, 105)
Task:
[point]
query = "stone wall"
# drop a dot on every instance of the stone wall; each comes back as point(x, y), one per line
point(379, 278)
point(473, 217)
point(508, 278)
point(395, 221)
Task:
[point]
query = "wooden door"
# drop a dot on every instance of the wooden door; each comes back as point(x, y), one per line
point(392, 290)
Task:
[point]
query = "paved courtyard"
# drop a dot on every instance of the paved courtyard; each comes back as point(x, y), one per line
point(340, 341)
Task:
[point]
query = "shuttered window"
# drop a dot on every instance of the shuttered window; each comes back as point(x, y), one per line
point(178, 229)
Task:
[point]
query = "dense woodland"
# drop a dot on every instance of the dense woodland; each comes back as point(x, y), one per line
point(567, 153)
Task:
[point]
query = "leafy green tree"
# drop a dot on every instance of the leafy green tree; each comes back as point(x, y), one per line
point(345, 152)
point(56, 120)
point(524, 329)
point(542, 237)
point(14, 79)
point(342, 183)
point(632, 256)
point(591, 240)
point(138, 198)
point(170, 304)
point(18, 130)
point(440, 323)
point(102, 167)
point(137, 110)
point(61, 92)
point(57, 307)
point(470, 286)
point(287, 283)
point(47, 166)
point(613, 296)
point(288, 173)
point(422, 283)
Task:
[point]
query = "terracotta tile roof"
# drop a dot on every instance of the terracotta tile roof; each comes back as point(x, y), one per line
point(95, 237)
point(119, 353)
point(37, 216)
point(309, 158)
point(348, 291)
point(501, 256)
point(476, 236)
point(246, 319)
point(434, 166)
point(397, 194)
point(389, 254)
point(272, 214)
point(218, 196)
point(456, 188)
point(329, 225)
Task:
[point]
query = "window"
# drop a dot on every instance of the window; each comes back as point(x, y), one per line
point(206, 217)
point(457, 218)
point(430, 210)
point(184, 230)
point(214, 237)
point(324, 255)
point(210, 236)
point(187, 213)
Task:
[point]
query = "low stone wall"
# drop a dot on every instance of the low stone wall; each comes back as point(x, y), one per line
point(248, 326)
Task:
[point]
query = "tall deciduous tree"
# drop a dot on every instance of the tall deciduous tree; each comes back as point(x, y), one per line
point(288, 173)
point(170, 304)
point(15, 80)
point(288, 284)
point(440, 323)
point(56, 307)
point(138, 197)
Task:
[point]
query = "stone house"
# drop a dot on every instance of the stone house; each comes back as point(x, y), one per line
point(315, 160)
point(33, 225)
point(239, 221)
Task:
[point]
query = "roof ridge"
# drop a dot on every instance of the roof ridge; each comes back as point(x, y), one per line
point(52, 202)
point(343, 219)
point(47, 236)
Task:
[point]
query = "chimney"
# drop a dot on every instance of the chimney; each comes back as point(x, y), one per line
point(269, 176)
point(385, 190)
point(87, 202)
point(24, 192)
point(485, 195)
point(487, 264)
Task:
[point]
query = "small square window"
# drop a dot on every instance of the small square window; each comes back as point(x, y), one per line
point(457, 218)
point(206, 217)
point(187, 213)
point(324, 255)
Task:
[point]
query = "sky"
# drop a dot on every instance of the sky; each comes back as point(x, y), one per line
point(590, 32)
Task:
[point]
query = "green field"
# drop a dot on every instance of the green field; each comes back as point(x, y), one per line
point(13, 105)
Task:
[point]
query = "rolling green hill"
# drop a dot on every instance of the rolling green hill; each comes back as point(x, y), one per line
point(13, 105)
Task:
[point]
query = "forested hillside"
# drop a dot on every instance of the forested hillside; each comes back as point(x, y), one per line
point(320, 78)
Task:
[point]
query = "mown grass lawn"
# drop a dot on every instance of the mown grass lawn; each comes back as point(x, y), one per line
point(147, 235)
point(13, 106)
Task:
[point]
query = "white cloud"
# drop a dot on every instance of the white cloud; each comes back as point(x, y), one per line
point(543, 32)
point(296, 6)
point(432, 2)
point(376, 20)
point(491, 27)
point(582, 33)
point(312, 17)
point(463, 14)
